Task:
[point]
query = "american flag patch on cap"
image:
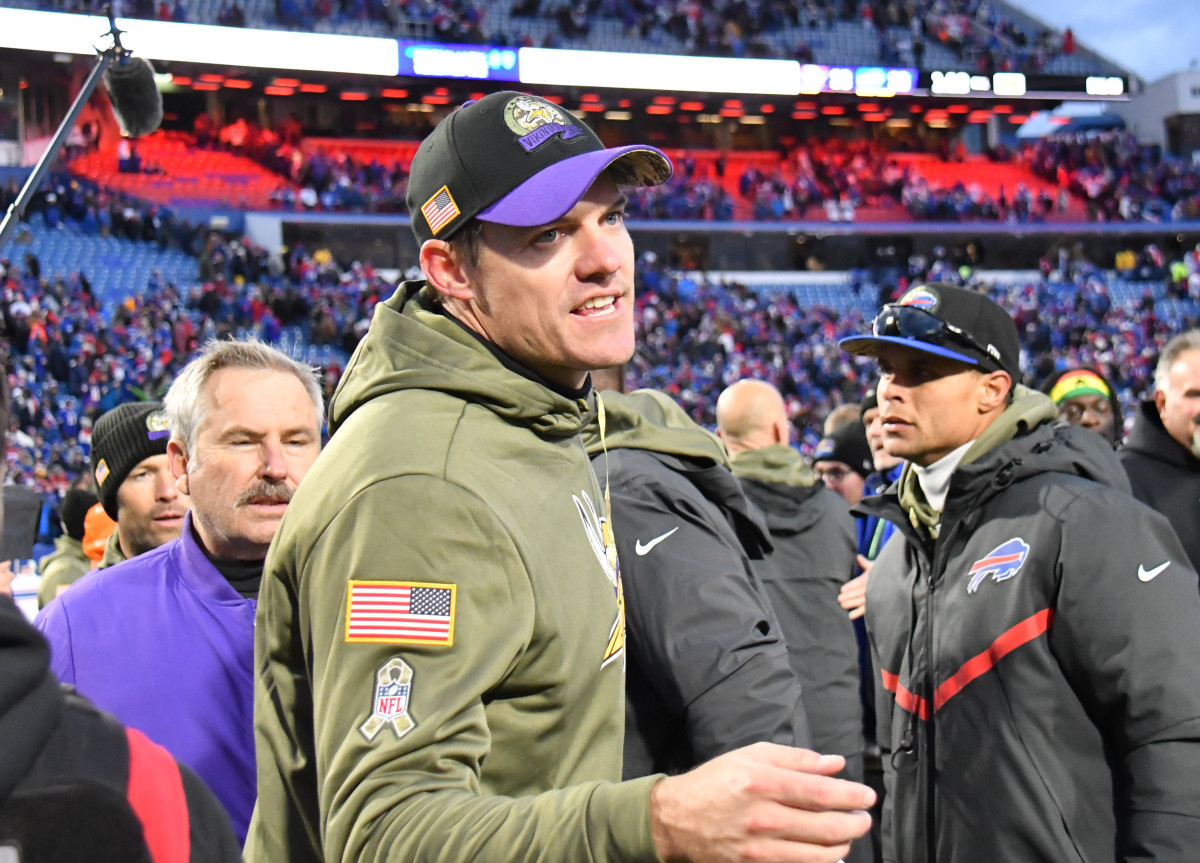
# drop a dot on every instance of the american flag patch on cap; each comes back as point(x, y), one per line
point(400, 612)
point(440, 210)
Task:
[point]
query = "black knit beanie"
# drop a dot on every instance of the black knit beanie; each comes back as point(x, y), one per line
point(76, 503)
point(848, 444)
point(121, 438)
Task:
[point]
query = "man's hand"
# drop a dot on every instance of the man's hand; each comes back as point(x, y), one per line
point(853, 595)
point(6, 578)
point(770, 803)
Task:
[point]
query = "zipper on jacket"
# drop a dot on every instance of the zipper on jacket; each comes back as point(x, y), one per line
point(938, 558)
point(930, 767)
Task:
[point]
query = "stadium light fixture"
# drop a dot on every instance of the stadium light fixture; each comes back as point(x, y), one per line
point(212, 44)
point(655, 72)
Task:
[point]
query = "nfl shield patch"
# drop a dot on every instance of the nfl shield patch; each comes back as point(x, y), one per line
point(393, 688)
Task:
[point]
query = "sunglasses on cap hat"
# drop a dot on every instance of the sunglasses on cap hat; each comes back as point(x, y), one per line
point(916, 324)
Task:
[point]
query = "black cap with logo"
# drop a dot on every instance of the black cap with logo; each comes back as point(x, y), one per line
point(948, 321)
point(514, 159)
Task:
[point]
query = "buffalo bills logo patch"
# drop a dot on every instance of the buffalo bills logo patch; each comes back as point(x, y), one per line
point(1001, 563)
point(921, 298)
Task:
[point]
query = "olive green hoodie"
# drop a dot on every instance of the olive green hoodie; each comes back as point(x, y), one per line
point(113, 553)
point(61, 568)
point(652, 421)
point(501, 738)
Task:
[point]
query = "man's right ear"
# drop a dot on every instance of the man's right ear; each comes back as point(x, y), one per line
point(177, 463)
point(444, 272)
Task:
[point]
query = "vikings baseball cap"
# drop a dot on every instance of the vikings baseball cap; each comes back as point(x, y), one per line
point(947, 321)
point(514, 159)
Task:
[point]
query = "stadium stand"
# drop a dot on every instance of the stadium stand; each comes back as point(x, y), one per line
point(988, 36)
point(172, 169)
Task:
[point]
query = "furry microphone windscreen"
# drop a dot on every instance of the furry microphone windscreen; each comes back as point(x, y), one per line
point(136, 101)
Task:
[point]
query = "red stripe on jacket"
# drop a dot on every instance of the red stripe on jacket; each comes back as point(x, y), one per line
point(907, 700)
point(1022, 633)
point(156, 794)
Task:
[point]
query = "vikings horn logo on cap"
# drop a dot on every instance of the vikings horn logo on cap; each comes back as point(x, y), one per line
point(157, 425)
point(536, 121)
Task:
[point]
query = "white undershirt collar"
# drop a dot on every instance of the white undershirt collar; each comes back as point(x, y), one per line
point(935, 479)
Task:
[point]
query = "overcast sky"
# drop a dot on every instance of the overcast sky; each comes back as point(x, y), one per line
point(1153, 38)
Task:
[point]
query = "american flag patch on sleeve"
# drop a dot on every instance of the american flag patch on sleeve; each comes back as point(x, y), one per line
point(400, 612)
point(440, 210)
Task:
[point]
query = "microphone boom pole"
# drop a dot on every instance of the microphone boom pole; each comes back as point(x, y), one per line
point(104, 59)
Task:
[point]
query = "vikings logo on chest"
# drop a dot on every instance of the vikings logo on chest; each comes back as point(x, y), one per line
point(599, 533)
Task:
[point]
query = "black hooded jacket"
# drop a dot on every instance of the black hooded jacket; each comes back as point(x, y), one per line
point(1165, 476)
point(1040, 698)
point(812, 532)
point(76, 786)
point(708, 664)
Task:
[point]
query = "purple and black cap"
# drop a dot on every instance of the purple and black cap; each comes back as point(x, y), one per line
point(947, 321)
point(514, 159)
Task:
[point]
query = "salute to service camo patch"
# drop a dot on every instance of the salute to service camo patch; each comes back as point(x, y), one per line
point(393, 687)
point(400, 612)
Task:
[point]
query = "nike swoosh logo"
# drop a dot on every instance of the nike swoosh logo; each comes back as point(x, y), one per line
point(1149, 574)
point(645, 549)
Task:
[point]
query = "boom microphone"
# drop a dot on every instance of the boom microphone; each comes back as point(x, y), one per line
point(136, 101)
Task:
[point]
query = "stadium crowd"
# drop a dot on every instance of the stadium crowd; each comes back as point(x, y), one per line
point(483, 372)
point(1117, 178)
point(1120, 179)
point(978, 32)
point(72, 360)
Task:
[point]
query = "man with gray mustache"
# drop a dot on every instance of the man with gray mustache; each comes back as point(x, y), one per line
point(165, 641)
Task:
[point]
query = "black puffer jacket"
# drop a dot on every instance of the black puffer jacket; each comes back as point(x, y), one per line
point(708, 665)
point(814, 546)
point(1040, 694)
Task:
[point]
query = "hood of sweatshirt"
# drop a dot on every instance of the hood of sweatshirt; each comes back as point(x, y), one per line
point(780, 482)
point(1150, 437)
point(652, 422)
point(413, 344)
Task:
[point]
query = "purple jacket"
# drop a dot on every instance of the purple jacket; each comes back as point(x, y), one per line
point(166, 644)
